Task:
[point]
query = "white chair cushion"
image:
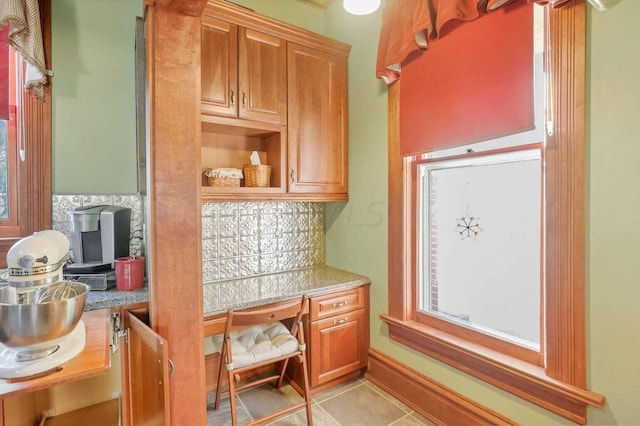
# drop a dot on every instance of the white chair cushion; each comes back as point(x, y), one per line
point(258, 343)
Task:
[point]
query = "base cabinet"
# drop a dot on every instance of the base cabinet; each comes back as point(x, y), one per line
point(145, 371)
point(337, 347)
point(336, 331)
point(338, 336)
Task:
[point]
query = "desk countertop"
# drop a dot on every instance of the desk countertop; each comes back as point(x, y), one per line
point(220, 296)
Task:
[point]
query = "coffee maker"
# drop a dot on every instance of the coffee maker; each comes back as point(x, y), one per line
point(99, 235)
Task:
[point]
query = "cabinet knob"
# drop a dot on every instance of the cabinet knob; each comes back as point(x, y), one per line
point(293, 176)
point(233, 98)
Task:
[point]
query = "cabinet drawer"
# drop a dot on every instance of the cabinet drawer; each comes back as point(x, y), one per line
point(336, 303)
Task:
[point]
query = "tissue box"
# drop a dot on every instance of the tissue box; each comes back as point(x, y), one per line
point(223, 177)
point(257, 175)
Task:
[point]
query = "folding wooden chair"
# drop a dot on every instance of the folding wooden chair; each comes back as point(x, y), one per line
point(258, 338)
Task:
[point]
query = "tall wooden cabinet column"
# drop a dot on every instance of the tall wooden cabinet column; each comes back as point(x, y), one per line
point(173, 198)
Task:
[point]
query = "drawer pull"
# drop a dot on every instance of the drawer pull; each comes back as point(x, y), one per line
point(340, 321)
point(339, 304)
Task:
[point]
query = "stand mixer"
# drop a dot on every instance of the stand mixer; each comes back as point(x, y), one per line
point(40, 326)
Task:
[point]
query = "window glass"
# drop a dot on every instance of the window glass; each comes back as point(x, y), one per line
point(8, 142)
point(479, 250)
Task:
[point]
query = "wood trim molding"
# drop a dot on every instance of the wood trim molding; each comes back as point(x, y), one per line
point(38, 143)
point(431, 399)
point(399, 294)
point(528, 381)
point(250, 19)
point(565, 185)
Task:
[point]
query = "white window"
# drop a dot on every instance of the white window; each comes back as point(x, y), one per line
point(479, 243)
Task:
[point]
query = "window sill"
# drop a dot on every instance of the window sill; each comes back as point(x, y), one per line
point(513, 375)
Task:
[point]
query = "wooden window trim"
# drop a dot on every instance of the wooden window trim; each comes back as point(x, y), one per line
point(560, 384)
point(34, 174)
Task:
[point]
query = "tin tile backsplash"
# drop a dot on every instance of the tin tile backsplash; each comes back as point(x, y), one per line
point(62, 204)
point(256, 238)
point(239, 239)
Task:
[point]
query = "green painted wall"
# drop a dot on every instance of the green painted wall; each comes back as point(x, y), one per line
point(94, 133)
point(94, 119)
point(613, 240)
point(292, 11)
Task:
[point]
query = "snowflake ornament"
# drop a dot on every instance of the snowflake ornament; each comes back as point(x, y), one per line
point(468, 225)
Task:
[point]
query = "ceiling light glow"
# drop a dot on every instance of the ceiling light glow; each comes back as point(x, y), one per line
point(361, 7)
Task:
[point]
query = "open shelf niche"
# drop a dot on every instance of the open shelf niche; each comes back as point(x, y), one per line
point(230, 142)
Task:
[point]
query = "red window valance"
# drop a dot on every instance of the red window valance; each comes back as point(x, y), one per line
point(475, 84)
point(408, 25)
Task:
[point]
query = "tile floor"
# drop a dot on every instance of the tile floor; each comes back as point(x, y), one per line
point(357, 402)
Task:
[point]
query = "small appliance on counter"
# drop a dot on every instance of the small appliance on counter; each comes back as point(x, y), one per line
point(40, 325)
point(99, 235)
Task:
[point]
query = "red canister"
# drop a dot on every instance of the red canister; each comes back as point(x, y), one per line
point(129, 273)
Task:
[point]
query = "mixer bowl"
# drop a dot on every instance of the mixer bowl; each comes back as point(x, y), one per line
point(32, 321)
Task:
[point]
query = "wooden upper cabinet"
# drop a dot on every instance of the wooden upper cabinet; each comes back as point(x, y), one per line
point(243, 73)
point(317, 126)
point(219, 67)
point(277, 89)
point(262, 77)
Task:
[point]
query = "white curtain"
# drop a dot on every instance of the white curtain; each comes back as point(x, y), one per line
point(25, 36)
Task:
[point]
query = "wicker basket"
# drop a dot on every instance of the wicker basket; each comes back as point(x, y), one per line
point(257, 175)
point(220, 181)
point(216, 181)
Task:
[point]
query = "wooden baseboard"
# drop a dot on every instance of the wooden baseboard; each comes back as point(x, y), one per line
point(426, 396)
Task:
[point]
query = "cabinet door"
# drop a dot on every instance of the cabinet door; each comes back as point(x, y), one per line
point(219, 67)
point(145, 374)
point(317, 123)
point(338, 346)
point(262, 77)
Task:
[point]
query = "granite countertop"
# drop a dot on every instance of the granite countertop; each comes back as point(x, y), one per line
point(237, 294)
point(98, 299)
point(243, 293)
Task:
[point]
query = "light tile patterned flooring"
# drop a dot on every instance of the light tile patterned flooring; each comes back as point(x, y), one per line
point(354, 403)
